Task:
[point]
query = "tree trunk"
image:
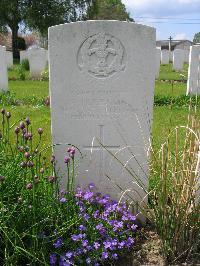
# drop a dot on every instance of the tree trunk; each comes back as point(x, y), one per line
point(14, 30)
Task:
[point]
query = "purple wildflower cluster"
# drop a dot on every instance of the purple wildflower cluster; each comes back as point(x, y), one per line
point(104, 229)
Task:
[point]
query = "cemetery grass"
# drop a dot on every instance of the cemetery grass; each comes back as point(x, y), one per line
point(167, 73)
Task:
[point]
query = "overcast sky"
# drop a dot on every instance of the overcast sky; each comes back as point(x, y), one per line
point(166, 16)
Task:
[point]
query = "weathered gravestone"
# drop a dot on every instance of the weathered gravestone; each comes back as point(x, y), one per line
point(3, 69)
point(193, 83)
point(178, 59)
point(101, 81)
point(187, 54)
point(38, 59)
point(165, 57)
point(23, 55)
point(9, 59)
point(158, 56)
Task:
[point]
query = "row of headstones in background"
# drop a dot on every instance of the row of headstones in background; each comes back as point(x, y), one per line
point(3, 69)
point(178, 57)
point(38, 60)
point(193, 83)
point(101, 86)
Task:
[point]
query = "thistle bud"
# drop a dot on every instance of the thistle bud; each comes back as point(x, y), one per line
point(29, 186)
point(2, 178)
point(27, 155)
point(40, 131)
point(8, 115)
point(51, 179)
point(67, 159)
point(3, 111)
point(17, 130)
point(22, 125)
point(23, 164)
point(27, 120)
point(30, 164)
point(42, 170)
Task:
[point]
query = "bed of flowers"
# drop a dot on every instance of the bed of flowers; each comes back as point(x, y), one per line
point(43, 224)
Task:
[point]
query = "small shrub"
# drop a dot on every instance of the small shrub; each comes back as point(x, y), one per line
point(21, 73)
point(45, 75)
point(25, 64)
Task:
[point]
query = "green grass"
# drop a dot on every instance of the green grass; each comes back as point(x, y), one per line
point(167, 73)
point(13, 73)
point(29, 88)
point(167, 89)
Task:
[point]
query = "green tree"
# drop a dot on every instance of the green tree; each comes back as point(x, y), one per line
point(196, 38)
point(108, 10)
point(39, 14)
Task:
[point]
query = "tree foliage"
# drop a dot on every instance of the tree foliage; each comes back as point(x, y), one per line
point(196, 38)
point(108, 10)
point(39, 14)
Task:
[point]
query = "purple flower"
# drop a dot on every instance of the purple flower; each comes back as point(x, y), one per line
point(91, 186)
point(75, 237)
point(88, 195)
point(22, 125)
point(134, 227)
point(107, 244)
point(115, 256)
point(99, 227)
point(82, 227)
point(104, 255)
point(96, 245)
point(58, 243)
point(69, 254)
point(63, 200)
point(85, 243)
point(53, 259)
point(121, 244)
point(86, 216)
point(88, 260)
point(96, 214)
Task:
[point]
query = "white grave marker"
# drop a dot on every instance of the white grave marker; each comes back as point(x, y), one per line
point(102, 77)
point(187, 54)
point(193, 83)
point(38, 59)
point(158, 56)
point(9, 59)
point(178, 59)
point(3, 69)
point(165, 57)
point(23, 55)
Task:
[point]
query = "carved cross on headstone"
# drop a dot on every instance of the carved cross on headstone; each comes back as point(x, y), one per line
point(101, 149)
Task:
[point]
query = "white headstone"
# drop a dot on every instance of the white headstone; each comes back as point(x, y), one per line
point(165, 57)
point(193, 83)
point(178, 59)
point(187, 54)
point(9, 59)
point(158, 56)
point(38, 59)
point(102, 77)
point(171, 54)
point(23, 55)
point(3, 69)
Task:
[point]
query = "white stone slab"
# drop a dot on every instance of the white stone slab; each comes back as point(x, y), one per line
point(102, 76)
point(178, 59)
point(158, 57)
point(23, 55)
point(187, 54)
point(165, 57)
point(171, 54)
point(38, 59)
point(193, 83)
point(9, 59)
point(3, 69)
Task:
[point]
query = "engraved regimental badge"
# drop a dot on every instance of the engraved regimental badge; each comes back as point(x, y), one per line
point(101, 55)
